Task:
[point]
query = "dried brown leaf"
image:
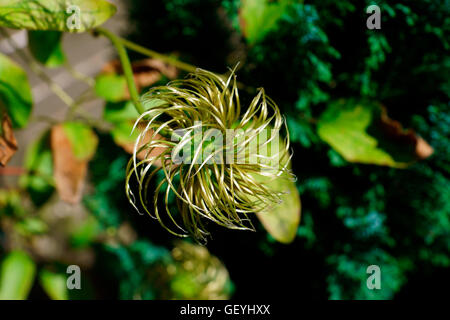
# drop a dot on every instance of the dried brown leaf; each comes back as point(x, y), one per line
point(69, 172)
point(395, 131)
point(8, 143)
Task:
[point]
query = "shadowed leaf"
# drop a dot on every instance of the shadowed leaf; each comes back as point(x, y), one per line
point(46, 47)
point(38, 180)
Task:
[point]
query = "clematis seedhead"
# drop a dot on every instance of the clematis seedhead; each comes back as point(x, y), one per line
point(215, 158)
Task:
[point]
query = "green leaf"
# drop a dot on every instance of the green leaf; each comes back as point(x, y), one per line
point(343, 126)
point(122, 133)
point(122, 115)
point(86, 233)
point(111, 87)
point(82, 139)
point(16, 276)
point(46, 47)
point(282, 220)
point(54, 284)
point(55, 15)
point(38, 180)
point(258, 17)
point(120, 112)
point(15, 92)
point(359, 133)
point(30, 226)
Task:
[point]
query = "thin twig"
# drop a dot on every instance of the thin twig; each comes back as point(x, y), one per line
point(79, 76)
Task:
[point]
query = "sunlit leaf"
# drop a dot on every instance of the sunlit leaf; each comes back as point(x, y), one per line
point(55, 15)
point(282, 220)
point(54, 284)
point(82, 139)
point(46, 47)
point(362, 132)
point(16, 276)
point(258, 17)
point(111, 87)
point(15, 92)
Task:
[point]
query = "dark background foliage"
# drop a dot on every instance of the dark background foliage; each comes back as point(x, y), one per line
point(353, 215)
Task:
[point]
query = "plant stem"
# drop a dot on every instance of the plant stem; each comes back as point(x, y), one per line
point(150, 53)
point(126, 66)
point(170, 60)
point(165, 58)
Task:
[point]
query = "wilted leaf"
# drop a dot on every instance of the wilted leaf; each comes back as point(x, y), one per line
point(38, 180)
point(73, 145)
point(55, 15)
point(46, 47)
point(16, 276)
point(8, 143)
point(394, 130)
point(258, 17)
point(15, 92)
point(111, 84)
point(362, 132)
point(54, 284)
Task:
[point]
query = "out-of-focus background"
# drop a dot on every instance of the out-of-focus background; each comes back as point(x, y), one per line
point(368, 113)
